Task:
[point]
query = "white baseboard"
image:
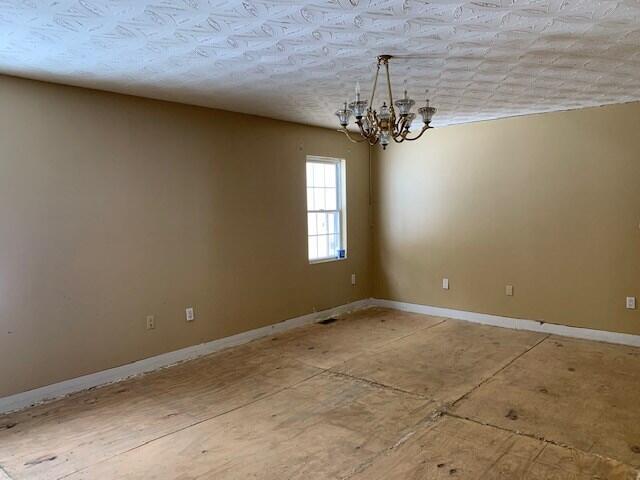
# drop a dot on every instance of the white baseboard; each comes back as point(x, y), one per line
point(61, 389)
point(514, 323)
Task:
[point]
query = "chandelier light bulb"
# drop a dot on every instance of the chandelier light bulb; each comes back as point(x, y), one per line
point(405, 105)
point(358, 107)
point(344, 115)
point(427, 112)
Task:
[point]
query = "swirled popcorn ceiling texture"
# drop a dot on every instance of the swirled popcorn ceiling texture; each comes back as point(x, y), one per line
point(298, 60)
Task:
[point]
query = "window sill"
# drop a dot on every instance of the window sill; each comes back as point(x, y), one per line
point(326, 260)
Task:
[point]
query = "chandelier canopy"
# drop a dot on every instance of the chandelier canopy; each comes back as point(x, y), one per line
point(385, 125)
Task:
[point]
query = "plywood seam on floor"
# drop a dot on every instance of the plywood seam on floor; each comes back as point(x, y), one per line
point(504, 454)
point(505, 366)
point(377, 384)
point(420, 329)
point(379, 345)
point(540, 438)
point(428, 422)
point(535, 459)
point(320, 372)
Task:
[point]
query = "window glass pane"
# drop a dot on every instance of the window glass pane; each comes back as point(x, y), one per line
point(330, 175)
point(332, 223)
point(318, 174)
point(309, 174)
point(323, 246)
point(312, 224)
point(322, 223)
point(318, 194)
point(330, 200)
point(313, 248)
point(311, 204)
point(334, 245)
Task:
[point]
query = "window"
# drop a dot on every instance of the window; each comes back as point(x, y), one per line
point(326, 209)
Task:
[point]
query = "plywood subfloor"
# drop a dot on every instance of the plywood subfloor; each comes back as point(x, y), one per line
point(379, 394)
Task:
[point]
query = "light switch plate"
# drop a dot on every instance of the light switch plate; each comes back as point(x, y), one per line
point(631, 303)
point(190, 315)
point(445, 283)
point(508, 290)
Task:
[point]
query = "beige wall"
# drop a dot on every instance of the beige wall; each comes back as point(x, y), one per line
point(548, 203)
point(114, 207)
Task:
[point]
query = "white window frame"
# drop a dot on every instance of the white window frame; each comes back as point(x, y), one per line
point(341, 204)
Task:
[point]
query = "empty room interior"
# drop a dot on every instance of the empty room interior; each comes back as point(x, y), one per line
point(341, 240)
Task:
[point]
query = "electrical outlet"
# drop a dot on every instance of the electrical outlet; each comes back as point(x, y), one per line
point(151, 322)
point(353, 279)
point(508, 290)
point(190, 315)
point(631, 303)
point(445, 283)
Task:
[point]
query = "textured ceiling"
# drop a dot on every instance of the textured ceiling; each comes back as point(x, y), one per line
point(298, 60)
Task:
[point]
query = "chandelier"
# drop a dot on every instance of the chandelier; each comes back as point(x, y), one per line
point(386, 125)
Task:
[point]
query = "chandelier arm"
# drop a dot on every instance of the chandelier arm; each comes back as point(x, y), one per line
point(400, 137)
point(366, 133)
point(363, 132)
point(375, 118)
point(372, 122)
point(424, 129)
point(346, 132)
point(400, 127)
